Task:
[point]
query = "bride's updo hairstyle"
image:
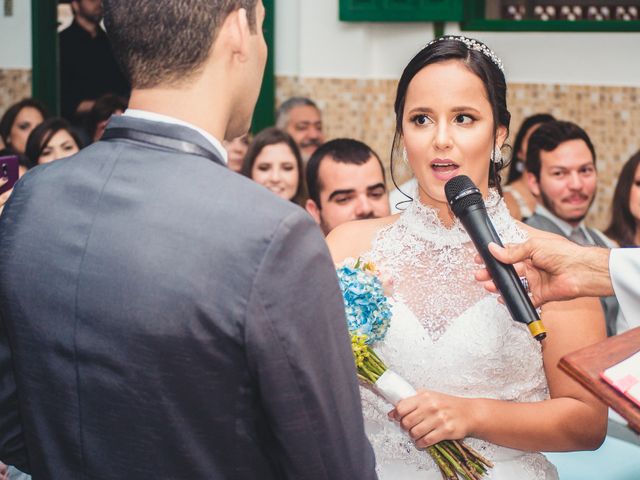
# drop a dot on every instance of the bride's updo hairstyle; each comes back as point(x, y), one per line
point(480, 60)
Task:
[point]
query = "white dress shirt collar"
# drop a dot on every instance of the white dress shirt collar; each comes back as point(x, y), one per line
point(158, 117)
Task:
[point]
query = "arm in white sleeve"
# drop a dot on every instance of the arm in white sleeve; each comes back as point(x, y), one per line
point(624, 268)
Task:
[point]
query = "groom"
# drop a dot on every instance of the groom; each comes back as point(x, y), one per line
point(162, 316)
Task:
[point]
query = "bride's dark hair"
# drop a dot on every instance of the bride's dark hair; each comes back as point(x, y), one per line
point(484, 67)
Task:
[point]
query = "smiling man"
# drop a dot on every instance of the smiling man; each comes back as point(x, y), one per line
point(346, 181)
point(301, 118)
point(562, 175)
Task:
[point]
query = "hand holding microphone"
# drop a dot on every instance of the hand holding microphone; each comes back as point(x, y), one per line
point(467, 204)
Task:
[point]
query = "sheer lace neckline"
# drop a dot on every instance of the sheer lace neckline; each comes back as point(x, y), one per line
point(433, 266)
point(423, 221)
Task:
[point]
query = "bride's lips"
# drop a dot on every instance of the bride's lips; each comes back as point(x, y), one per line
point(444, 169)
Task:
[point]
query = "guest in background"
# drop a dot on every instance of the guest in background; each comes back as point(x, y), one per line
point(87, 66)
point(52, 140)
point(301, 118)
point(105, 106)
point(561, 171)
point(236, 150)
point(625, 219)
point(15, 126)
point(519, 199)
point(625, 208)
point(346, 182)
point(273, 160)
point(18, 122)
point(3, 199)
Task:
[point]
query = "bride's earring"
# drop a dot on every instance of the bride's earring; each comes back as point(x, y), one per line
point(404, 156)
point(496, 155)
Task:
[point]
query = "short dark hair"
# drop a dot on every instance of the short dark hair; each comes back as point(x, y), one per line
point(40, 137)
point(548, 137)
point(274, 136)
point(12, 112)
point(103, 108)
point(452, 47)
point(341, 150)
point(516, 167)
point(623, 225)
point(282, 114)
point(166, 41)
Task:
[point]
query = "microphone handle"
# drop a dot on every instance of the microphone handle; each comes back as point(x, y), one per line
point(477, 223)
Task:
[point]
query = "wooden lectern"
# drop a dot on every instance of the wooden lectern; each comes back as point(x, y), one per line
point(586, 364)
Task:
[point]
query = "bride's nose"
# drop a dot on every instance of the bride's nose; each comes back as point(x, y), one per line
point(442, 139)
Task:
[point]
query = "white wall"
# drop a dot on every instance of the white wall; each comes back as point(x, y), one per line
point(312, 42)
point(15, 36)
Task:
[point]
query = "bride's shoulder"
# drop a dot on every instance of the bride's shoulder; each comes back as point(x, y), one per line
point(352, 239)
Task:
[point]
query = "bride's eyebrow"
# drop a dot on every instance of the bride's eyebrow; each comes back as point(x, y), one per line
point(465, 109)
point(458, 109)
point(420, 110)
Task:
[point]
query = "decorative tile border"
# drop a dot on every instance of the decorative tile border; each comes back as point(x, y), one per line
point(14, 86)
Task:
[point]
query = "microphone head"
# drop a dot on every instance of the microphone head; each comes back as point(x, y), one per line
point(462, 193)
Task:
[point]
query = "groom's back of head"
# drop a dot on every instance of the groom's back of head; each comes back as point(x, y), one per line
point(166, 42)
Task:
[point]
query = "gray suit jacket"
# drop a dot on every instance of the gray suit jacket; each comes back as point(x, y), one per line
point(610, 304)
point(164, 317)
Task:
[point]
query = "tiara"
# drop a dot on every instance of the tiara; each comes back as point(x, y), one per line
point(473, 45)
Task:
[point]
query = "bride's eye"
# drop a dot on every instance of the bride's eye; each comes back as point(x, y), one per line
point(464, 119)
point(420, 119)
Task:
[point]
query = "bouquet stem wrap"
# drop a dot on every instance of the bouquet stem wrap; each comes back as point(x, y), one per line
point(454, 458)
point(393, 388)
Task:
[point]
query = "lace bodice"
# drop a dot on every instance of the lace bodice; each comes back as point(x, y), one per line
point(447, 333)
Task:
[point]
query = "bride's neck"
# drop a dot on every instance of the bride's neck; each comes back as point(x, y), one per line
point(441, 207)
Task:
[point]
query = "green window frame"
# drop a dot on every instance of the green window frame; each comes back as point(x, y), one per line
point(469, 13)
point(405, 10)
point(44, 53)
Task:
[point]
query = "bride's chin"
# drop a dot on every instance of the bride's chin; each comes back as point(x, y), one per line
point(432, 196)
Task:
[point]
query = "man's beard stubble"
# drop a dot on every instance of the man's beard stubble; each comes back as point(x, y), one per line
point(548, 204)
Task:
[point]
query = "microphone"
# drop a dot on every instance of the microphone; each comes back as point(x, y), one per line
point(466, 203)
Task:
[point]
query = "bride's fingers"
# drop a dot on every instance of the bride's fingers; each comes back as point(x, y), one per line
point(429, 439)
point(412, 420)
point(421, 430)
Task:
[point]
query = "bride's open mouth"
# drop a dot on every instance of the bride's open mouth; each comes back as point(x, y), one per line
point(444, 169)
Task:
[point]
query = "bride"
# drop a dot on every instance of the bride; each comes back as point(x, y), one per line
point(484, 378)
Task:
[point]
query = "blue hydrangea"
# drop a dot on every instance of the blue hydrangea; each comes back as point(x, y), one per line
point(367, 308)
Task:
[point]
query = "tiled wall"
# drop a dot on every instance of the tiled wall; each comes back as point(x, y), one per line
point(363, 109)
point(14, 86)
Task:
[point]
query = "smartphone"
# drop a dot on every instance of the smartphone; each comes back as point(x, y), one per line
point(9, 170)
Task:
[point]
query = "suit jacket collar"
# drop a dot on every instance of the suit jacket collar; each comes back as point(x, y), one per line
point(563, 226)
point(170, 130)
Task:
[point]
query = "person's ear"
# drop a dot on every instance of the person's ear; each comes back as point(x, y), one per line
point(533, 184)
point(311, 207)
point(235, 34)
point(501, 136)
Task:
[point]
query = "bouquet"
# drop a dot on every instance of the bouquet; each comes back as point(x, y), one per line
point(368, 318)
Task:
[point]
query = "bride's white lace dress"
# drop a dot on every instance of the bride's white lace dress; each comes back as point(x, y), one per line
point(449, 335)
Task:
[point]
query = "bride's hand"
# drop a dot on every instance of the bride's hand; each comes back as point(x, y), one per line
point(430, 417)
